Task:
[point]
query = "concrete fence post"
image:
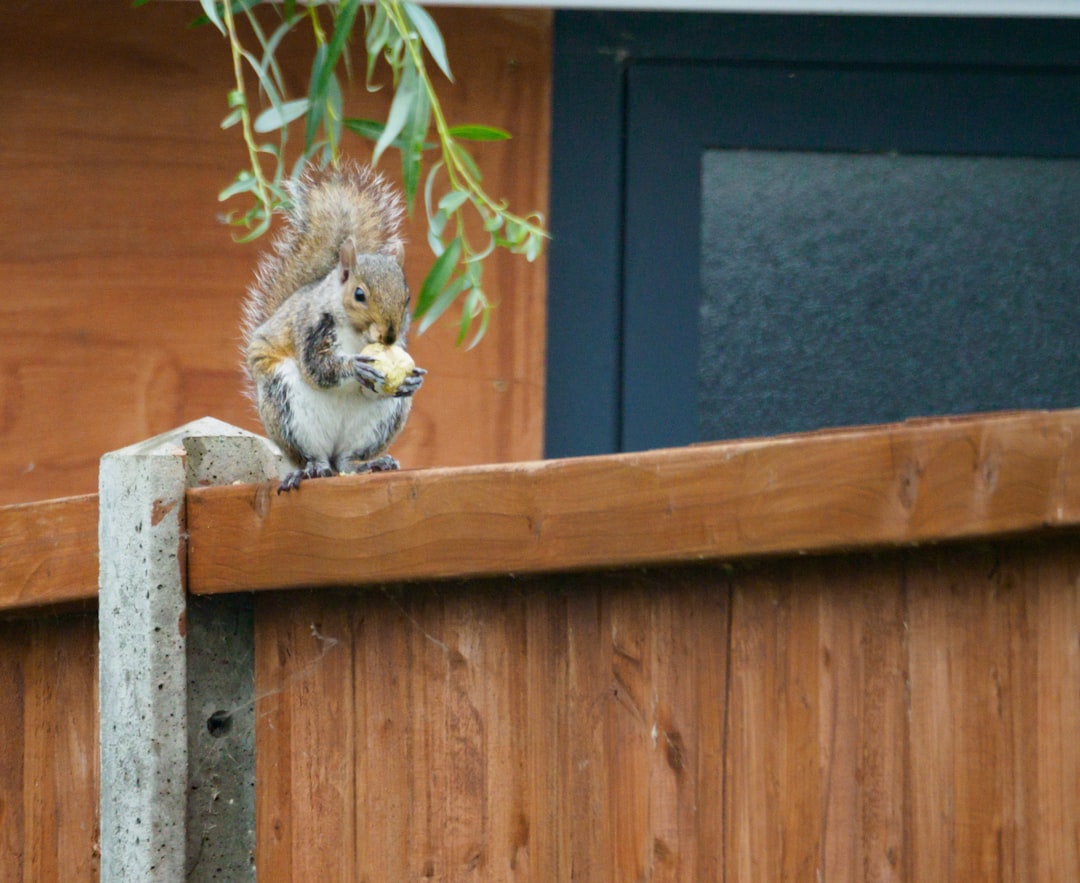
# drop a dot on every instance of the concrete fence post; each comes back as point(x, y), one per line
point(176, 673)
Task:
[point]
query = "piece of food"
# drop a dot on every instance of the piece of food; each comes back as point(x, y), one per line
point(393, 361)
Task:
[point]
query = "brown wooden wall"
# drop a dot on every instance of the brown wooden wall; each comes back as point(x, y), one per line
point(896, 716)
point(121, 291)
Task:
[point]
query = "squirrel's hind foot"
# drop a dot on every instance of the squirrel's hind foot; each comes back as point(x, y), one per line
point(385, 463)
point(311, 469)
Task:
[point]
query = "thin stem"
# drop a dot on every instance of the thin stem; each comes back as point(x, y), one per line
point(245, 112)
point(455, 169)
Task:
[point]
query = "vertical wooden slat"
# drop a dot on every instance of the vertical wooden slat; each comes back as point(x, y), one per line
point(76, 743)
point(629, 721)
point(817, 725)
point(388, 802)
point(323, 740)
point(427, 719)
point(952, 728)
point(706, 622)
point(466, 783)
point(797, 613)
point(546, 820)
point(502, 722)
point(309, 705)
point(878, 610)
point(689, 663)
point(931, 787)
point(274, 667)
point(512, 825)
point(590, 688)
point(12, 748)
point(994, 685)
point(1053, 823)
point(48, 749)
point(763, 765)
point(39, 782)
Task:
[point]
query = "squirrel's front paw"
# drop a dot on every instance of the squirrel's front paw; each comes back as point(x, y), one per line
point(367, 374)
point(311, 469)
point(411, 383)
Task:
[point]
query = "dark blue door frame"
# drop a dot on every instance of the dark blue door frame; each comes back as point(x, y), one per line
point(636, 99)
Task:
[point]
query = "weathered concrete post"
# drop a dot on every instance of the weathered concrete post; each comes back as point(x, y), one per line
point(176, 675)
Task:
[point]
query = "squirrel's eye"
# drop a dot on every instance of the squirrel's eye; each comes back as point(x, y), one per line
point(360, 295)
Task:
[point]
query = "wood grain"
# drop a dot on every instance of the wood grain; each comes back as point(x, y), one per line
point(904, 715)
point(48, 552)
point(49, 749)
point(504, 735)
point(125, 290)
point(987, 650)
point(893, 485)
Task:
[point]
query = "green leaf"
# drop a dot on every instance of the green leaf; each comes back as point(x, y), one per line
point(213, 15)
point(438, 276)
point(480, 255)
point(473, 132)
point(442, 301)
point(333, 114)
point(429, 186)
point(437, 223)
point(377, 35)
point(399, 112)
point(200, 20)
point(244, 183)
point(465, 159)
point(322, 90)
point(372, 129)
point(474, 302)
point(453, 200)
point(232, 119)
point(274, 118)
point(430, 34)
point(268, 67)
point(316, 96)
point(365, 128)
point(266, 82)
point(343, 25)
point(413, 150)
point(257, 231)
point(485, 317)
point(534, 245)
point(515, 231)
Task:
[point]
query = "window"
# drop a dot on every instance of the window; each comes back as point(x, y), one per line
point(767, 224)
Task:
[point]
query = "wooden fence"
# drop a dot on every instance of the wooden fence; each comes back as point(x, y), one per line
point(843, 656)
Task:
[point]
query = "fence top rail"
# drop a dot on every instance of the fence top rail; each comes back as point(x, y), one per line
point(916, 482)
point(48, 552)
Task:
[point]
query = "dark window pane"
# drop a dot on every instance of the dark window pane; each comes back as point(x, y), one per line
point(844, 288)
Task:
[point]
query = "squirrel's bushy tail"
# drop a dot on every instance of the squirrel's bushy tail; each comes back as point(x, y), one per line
point(327, 206)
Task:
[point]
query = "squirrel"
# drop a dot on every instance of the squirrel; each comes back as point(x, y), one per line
point(332, 284)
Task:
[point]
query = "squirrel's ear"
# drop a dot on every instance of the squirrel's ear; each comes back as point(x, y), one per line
point(346, 259)
point(397, 252)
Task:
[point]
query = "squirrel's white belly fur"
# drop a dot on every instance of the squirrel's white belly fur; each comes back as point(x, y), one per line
point(334, 424)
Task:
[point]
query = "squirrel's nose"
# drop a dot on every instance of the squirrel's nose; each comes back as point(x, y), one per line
point(386, 335)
